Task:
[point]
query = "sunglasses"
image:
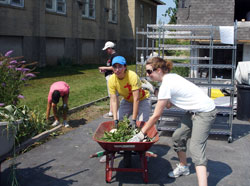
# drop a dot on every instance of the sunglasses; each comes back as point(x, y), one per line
point(150, 71)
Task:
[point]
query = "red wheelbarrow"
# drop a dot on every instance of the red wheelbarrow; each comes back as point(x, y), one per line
point(114, 147)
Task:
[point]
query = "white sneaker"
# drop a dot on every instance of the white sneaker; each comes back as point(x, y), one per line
point(65, 124)
point(179, 171)
point(110, 114)
point(103, 159)
point(56, 122)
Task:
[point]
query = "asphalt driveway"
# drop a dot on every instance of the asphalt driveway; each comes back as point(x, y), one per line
point(64, 161)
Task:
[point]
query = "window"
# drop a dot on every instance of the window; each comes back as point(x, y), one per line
point(183, 4)
point(88, 9)
point(58, 6)
point(150, 16)
point(19, 3)
point(113, 11)
point(141, 15)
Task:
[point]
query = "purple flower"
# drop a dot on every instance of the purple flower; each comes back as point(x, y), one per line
point(20, 96)
point(23, 79)
point(3, 84)
point(22, 69)
point(1, 104)
point(8, 53)
point(11, 66)
point(30, 75)
point(22, 62)
point(1, 62)
point(13, 62)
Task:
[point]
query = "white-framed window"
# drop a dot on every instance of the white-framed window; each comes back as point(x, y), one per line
point(113, 12)
point(19, 3)
point(141, 15)
point(88, 9)
point(58, 6)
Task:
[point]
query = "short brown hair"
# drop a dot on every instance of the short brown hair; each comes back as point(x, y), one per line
point(157, 62)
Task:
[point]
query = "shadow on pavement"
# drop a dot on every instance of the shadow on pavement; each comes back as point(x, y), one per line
point(77, 122)
point(240, 130)
point(156, 175)
point(38, 174)
point(217, 171)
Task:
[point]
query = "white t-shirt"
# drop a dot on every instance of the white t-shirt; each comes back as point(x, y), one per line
point(184, 94)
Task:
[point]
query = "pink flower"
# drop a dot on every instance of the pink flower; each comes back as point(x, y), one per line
point(8, 53)
point(1, 104)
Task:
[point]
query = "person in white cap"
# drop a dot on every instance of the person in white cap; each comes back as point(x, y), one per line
point(107, 70)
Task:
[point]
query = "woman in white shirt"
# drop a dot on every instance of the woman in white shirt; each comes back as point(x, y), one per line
point(196, 124)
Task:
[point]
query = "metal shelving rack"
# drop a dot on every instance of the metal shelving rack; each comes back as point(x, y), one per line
point(199, 37)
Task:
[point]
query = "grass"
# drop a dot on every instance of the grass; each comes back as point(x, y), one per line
point(86, 84)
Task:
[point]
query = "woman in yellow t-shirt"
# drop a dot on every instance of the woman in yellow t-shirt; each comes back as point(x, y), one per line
point(127, 83)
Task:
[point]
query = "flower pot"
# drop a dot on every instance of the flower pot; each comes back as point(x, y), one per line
point(7, 137)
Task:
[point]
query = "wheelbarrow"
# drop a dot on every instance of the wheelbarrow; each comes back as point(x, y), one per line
point(110, 148)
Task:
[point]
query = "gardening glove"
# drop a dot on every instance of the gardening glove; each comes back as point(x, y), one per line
point(137, 138)
point(116, 123)
point(133, 124)
point(64, 106)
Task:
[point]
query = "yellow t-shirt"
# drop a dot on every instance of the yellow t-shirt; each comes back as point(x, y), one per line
point(125, 86)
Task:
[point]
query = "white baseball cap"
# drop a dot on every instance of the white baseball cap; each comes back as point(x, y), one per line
point(108, 44)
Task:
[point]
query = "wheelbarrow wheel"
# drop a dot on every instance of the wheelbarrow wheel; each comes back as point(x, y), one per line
point(127, 159)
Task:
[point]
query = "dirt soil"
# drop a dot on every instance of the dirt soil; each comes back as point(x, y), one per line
point(85, 116)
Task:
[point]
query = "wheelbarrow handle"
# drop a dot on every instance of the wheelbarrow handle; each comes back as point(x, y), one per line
point(98, 154)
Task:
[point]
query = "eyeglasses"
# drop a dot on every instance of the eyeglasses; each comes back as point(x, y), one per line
point(118, 67)
point(150, 71)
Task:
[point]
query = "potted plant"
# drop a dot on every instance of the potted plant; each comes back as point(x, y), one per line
point(10, 117)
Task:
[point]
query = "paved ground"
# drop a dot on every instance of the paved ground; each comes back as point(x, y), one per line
point(65, 161)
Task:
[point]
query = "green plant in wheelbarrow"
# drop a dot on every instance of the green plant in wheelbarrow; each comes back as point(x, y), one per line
point(123, 132)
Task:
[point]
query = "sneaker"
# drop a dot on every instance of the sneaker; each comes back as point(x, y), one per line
point(110, 114)
point(103, 159)
point(179, 171)
point(65, 124)
point(107, 115)
point(56, 122)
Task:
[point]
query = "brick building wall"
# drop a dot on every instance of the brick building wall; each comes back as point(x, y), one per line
point(44, 36)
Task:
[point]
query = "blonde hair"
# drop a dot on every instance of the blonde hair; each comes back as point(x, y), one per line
point(157, 62)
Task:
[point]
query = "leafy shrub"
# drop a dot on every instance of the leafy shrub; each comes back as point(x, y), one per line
point(14, 75)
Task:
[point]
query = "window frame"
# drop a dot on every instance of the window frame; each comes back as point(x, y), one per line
point(113, 12)
point(11, 3)
point(55, 6)
point(87, 8)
